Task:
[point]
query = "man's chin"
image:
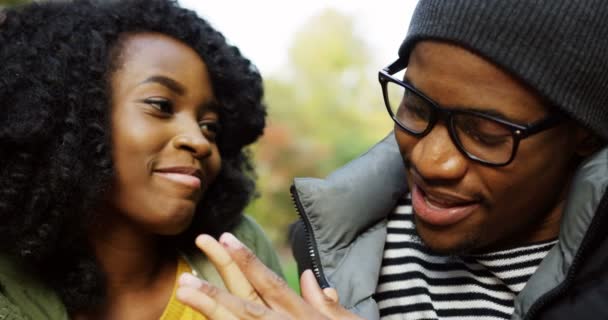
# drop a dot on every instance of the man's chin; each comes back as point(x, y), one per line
point(447, 244)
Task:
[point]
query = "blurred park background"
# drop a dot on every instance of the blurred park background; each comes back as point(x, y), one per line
point(319, 60)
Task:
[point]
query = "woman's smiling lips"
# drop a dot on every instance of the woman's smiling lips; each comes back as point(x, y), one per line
point(441, 210)
point(187, 176)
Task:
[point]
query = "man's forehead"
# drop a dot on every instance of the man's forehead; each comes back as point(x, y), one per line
point(458, 78)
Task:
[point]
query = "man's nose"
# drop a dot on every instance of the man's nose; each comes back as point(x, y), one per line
point(436, 157)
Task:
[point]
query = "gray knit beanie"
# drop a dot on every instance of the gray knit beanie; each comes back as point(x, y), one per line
point(557, 47)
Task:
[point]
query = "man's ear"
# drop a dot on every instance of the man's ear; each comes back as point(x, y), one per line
point(587, 142)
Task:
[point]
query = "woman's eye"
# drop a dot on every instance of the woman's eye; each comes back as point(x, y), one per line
point(210, 128)
point(162, 105)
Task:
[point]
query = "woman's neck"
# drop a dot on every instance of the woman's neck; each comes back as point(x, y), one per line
point(129, 257)
point(137, 267)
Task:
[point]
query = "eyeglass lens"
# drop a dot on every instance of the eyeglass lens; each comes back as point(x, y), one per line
point(480, 137)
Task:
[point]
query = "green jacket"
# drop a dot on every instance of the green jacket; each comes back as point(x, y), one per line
point(23, 297)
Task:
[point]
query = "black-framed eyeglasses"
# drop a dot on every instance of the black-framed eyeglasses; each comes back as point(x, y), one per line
point(481, 137)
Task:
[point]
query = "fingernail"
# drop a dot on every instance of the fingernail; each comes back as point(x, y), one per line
point(188, 280)
point(200, 240)
point(230, 241)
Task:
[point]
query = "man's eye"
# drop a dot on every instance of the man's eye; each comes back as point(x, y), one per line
point(210, 128)
point(418, 111)
point(162, 105)
point(489, 140)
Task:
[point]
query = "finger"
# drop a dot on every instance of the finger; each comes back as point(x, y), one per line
point(216, 303)
point(311, 291)
point(313, 294)
point(271, 287)
point(202, 303)
point(324, 300)
point(332, 294)
point(233, 278)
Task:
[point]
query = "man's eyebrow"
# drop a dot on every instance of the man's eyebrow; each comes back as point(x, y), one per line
point(487, 111)
point(167, 82)
point(490, 112)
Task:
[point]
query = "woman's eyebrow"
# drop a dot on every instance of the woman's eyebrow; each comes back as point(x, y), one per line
point(167, 82)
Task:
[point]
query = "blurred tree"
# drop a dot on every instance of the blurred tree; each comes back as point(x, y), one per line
point(325, 108)
point(8, 3)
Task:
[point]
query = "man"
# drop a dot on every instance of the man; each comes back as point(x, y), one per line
point(492, 119)
point(501, 120)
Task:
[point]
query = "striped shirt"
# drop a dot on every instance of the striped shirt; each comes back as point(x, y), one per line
point(415, 283)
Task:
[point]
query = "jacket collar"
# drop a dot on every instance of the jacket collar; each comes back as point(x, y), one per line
point(343, 207)
point(346, 213)
point(589, 186)
point(356, 196)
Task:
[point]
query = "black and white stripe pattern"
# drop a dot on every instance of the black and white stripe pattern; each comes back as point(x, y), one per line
point(415, 283)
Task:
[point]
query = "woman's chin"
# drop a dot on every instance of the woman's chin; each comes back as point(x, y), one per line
point(174, 220)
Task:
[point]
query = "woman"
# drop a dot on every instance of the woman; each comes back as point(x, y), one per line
point(123, 136)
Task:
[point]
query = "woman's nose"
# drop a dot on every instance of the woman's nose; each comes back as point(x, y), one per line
point(194, 142)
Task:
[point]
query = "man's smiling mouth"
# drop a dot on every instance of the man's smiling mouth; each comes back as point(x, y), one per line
point(441, 209)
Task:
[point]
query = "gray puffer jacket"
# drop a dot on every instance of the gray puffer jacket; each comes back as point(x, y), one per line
point(342, 229)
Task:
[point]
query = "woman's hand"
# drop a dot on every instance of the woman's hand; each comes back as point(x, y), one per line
point(254, 291)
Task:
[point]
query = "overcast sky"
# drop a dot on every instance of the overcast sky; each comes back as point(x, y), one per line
point(264, 29)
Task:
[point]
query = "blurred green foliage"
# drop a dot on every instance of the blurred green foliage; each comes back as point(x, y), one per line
point(290, 270)
point(7, 3)
point(325, 109)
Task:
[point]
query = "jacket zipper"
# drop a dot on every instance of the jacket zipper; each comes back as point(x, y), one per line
point(576, 261)
point(313, 252)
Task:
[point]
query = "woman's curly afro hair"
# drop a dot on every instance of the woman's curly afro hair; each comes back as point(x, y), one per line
point(55, 153)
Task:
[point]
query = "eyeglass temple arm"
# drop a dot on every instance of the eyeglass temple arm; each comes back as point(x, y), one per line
point(396, 66)
point(550, 121)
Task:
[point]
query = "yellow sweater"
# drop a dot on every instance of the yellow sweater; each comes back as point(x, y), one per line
point(176, 310)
